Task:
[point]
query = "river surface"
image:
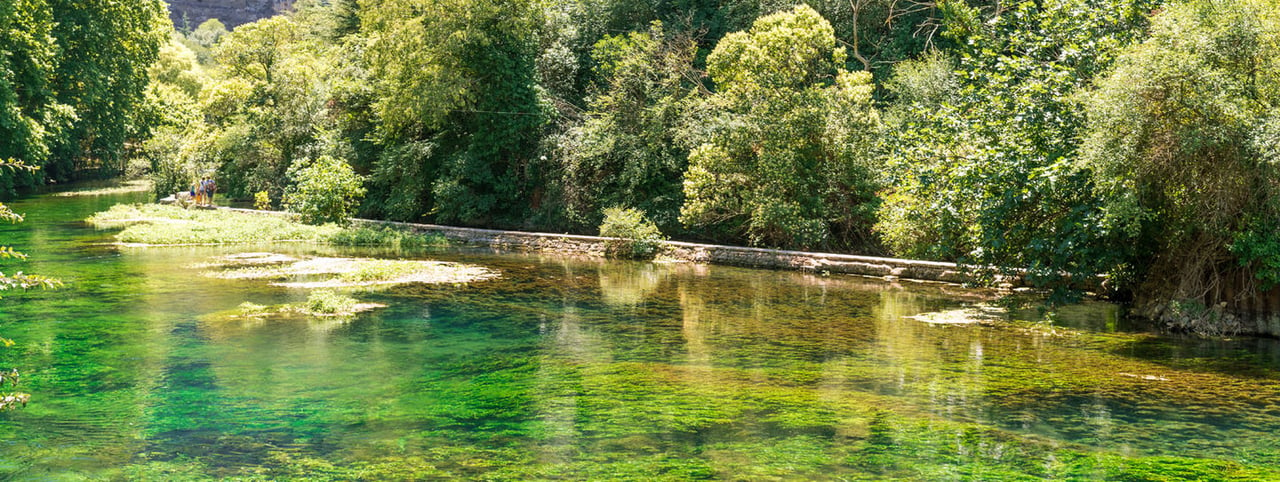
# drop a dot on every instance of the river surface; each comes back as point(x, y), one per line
point(580, 368)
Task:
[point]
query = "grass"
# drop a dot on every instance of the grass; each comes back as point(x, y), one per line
point(384, 270)
point(140, 185)
point(329, 302)
point(342, 272)
point(386, 237)
point(162, 225)
point(321, 303)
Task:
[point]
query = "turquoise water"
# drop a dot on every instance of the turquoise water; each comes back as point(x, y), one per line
point(580, 368)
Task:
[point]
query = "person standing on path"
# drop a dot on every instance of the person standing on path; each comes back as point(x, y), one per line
point(210, 189)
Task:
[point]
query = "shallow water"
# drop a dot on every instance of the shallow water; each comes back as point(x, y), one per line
point(588, 369)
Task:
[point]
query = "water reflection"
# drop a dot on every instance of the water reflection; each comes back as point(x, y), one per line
point(584, 368)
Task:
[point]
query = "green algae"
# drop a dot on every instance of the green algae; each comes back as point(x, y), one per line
point(598, 370)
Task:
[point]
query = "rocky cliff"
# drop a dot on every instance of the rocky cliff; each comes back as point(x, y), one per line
point(230, 12)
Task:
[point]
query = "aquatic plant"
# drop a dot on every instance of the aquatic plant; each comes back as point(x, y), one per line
point(155, 224)
point(342, 272)
point(387, 237)
point(329, 302)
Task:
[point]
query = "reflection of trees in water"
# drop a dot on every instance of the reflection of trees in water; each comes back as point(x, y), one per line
point(628, 284)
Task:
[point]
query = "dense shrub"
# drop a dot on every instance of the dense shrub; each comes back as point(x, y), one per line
point(783, 153)
point(329, 302)
point(262, 201)
point(325, 189)
point(1182, 142)
point(637, 236)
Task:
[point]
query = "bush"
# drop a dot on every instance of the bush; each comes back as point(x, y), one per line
point(387, 238)
point(325, 189)
point(176, 158)
point(328, 302)
point(1180, 143)
point(637, 236)
point(262, 201)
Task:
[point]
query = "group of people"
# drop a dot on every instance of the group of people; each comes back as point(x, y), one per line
point(202, 191)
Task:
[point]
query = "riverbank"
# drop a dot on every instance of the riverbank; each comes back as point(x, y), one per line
point(571, 367)
point(680, 251)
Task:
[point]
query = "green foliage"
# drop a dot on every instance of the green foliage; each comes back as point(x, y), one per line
point(262, 201)
point(73, 88)
point(329, 302)
point(784, 150)
point(171, 225)
point(268, 108)
point(626, 151)
point(326, 190)
point(638, 237)
point(381, 270)
point(105, 48)
point(177, 158)
point(1181, 140)
point(464, 85)
point(177, 66)
point(204, 38)
point(982, 155)
point(31, 117)
point(394, 239)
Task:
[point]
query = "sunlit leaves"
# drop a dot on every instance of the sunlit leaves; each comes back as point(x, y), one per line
point(325, 190)
point(1181, 137)
point(626, 152)
point(783, 155)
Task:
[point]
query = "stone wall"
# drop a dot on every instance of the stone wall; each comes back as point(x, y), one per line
point(230, 12)
point(701, 253)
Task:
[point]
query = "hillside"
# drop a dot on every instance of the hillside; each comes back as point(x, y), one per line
point(230, 12)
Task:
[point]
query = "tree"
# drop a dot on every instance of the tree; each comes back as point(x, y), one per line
point(324, 190)
point(1182, 140)
point(204, 38)
point(983, 142)
point(783, 152)
point(268, 106)
point(626, 152)
point(105, 47)
point(457, 79)
point(31, 117)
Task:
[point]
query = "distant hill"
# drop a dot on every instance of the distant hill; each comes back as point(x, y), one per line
point(230, 12)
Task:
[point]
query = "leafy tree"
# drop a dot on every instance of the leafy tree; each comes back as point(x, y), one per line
point(462, 85)
point(626, 152)
point(783, 154)
point(177, 150)
point(268, 107)
point(202, 40)
point(104, 49)
point(325, 190)
point(982, 159)
point(176, 66)
point(1182, 142)
point(31, 118)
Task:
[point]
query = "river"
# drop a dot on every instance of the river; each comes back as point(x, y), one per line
point(581, 368)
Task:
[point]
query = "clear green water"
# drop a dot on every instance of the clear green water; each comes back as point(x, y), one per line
point(589, 369)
